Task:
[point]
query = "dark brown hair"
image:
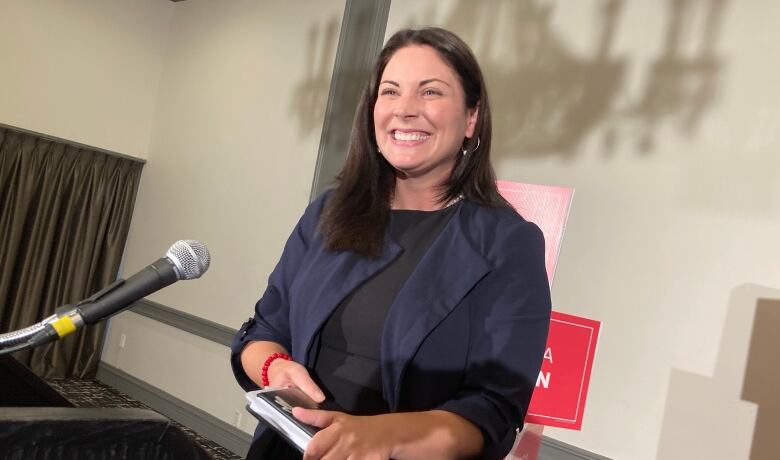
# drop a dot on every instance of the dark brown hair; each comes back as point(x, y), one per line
point(357, 211)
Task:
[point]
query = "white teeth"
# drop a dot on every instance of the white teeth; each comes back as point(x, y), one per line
point(400, 136)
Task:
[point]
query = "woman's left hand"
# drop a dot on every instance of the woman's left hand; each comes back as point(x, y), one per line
point(345, 436)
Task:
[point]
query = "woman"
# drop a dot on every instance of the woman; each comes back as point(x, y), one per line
point(412, 295)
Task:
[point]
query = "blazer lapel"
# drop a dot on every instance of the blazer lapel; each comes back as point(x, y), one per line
point(330, 279)
point(446, 273)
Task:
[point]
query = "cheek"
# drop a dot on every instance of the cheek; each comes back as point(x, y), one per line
point(381, 113)
point(456, 126)
point(448, 118)
point(380, 121)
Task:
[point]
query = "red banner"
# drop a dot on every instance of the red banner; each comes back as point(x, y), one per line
point(546, 206)
point(562, 384)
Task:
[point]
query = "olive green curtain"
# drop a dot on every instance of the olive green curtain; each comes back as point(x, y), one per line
point(64, 216)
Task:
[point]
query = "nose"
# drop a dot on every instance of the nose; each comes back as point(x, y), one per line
point(406, 107)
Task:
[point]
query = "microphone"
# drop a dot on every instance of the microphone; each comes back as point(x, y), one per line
point(185, 260)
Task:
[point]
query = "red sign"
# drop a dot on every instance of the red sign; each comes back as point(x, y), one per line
point(546, 206)
point(562, 384)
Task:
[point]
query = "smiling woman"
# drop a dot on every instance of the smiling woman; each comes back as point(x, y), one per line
point(411, 295)
point(424, 107)
point(420, 122)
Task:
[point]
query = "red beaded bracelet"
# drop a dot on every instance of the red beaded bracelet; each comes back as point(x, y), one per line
point(267, 364)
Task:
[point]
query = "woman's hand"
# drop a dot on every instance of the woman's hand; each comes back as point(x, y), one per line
point(346, 436)
point(401, 435)
point(281, 372)
point(284, 373)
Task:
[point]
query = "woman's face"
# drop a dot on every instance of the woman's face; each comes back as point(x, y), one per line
point(420, 116)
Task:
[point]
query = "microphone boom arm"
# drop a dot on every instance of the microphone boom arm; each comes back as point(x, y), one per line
point(186, 259)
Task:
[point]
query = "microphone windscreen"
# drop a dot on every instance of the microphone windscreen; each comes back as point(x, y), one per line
point(191, 258)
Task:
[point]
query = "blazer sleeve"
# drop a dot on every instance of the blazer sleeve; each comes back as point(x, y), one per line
point(271, 320)
point(510, 317)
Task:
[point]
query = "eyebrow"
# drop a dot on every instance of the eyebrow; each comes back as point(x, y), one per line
point(431, 80)
point(422, 83)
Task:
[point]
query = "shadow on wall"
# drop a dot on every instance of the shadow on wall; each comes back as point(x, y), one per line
point(762, 379)
point(722, 416)
point(311, 94)
point(547, 99)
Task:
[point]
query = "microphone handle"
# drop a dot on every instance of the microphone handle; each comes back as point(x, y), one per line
point(152, 278)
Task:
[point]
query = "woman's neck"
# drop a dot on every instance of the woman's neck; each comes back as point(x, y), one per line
point(414, 195)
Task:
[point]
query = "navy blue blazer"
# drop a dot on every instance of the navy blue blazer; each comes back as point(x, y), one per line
point(465, 334)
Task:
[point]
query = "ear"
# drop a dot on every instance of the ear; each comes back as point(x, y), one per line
point(471, 121)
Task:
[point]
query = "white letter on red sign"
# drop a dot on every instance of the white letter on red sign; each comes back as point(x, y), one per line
point(544, 379)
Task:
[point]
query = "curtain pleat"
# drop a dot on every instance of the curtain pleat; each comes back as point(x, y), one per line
point(64, 216)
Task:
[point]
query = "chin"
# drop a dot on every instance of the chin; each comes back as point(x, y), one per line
point(404, 164)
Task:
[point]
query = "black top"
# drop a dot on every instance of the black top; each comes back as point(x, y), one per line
point(348, 359)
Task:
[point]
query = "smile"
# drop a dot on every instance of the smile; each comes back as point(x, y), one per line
point(409, 136)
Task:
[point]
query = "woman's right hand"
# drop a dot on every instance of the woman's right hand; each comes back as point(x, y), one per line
point(284, 373)
point(281, 372)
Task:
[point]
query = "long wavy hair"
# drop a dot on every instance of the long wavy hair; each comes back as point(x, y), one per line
point(357, 211)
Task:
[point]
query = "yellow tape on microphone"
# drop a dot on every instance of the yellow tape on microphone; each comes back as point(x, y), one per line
point(63, 326)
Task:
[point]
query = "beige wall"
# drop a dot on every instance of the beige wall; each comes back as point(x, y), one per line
point(83, 70)
point(186, 366)
point(666, 122)
point(733, 411)
point(234, 148)
point(231, 162)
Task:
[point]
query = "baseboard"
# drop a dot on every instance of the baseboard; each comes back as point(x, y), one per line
point(552, 449)
point(204, 328)
point(188, 415)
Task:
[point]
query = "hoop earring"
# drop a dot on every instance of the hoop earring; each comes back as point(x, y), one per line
point(465, 152)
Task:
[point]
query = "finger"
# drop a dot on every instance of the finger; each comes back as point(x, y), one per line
point(302, 380)
point(291, 373)
point(322, 444)
point(314, 417)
